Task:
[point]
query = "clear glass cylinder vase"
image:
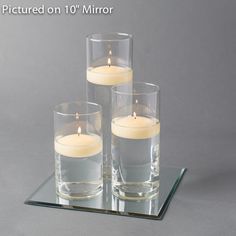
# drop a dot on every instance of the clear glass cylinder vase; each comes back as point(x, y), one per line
point(78, 150)
point(135, 130)
point(109, 63)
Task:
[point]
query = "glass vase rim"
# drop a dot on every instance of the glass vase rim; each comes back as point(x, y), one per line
point(93, 104)
point(157, 89)
point(126, 36)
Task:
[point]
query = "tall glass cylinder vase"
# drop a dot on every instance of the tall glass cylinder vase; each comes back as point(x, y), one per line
point(109, 63)
point(135, 141)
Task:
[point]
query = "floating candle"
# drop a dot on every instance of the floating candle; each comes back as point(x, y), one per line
point(135, 127)
point(78, 145)
point(109, 74)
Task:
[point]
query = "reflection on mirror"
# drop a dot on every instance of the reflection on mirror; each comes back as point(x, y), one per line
point(147, 207)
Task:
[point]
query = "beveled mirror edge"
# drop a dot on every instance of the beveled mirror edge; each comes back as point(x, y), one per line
point(166, 204)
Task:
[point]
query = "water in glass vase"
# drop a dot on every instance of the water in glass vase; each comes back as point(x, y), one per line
point(78, 177)
point(135, 163)
point(99, 82)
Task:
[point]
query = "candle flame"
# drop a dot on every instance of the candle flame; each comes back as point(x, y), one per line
point(76, 115)
point(134, 115)
point(110, 52)
point(109, 61)
point(79, 131)
point(136, 101)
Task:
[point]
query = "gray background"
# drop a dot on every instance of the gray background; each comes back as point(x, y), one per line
point(188, 46)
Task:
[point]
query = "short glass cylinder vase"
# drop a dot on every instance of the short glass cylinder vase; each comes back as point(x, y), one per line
point(78, 150)
point(135, 130)
point(109, 63)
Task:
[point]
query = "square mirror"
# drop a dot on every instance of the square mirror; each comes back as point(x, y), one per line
point(155, 208)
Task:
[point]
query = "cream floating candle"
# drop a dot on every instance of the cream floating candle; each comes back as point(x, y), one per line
point(109, 75)
point(135, 127)
point(78, 145)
